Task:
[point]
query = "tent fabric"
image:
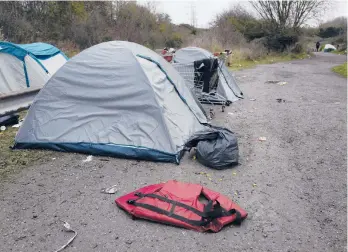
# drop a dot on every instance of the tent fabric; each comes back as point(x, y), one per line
point(39, 50)
point(118, 99)
point(329, 47)
point(227, 84)
point(29, 65)
point(190, 54)
point(53, 63)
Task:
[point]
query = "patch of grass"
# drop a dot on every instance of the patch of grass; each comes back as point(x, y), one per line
point(12, 161)
point(339, 52)
point(341, 69)
point(238, 64)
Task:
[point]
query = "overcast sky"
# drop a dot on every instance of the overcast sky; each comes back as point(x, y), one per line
point(206, 10)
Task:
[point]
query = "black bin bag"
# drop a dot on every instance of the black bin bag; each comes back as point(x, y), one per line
point(216, 147)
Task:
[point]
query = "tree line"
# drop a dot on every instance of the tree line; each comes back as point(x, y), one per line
point(86, 23)
point(277, 26)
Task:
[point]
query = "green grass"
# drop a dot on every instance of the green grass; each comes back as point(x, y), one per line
point(238, 64)
point(340, 52)
point(341, 69)
point(12, 161)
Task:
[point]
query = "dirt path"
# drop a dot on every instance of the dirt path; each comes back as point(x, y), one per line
point(298, 203)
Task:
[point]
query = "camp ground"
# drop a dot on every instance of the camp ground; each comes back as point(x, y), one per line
point(123, 129)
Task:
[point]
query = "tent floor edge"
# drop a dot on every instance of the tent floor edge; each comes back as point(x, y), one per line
point(118, 151)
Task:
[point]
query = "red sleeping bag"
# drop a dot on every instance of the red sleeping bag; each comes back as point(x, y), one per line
point(186, 205)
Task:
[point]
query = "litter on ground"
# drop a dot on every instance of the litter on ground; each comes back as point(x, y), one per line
point(18, 124)
point(262, 139)
point(252, 99)
point(2, 128)
point(67, 228)
point(88, 159)
point(110, 190)
point(281, 83)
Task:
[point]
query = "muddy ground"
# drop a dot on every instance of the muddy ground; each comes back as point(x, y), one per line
point(293, 185)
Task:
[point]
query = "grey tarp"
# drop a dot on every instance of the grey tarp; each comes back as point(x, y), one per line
point(227, 84)
point(116, 98)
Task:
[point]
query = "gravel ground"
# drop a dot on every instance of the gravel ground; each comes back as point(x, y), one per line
point(293, 185)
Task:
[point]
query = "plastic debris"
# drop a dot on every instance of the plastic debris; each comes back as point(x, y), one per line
point(54, 158)
point(230, 113)
point(272, 81)
point(88, 159)
point(67, 228)
point(234, 173)
point(216, 147)
point(110, 190)
point(194, 157)
point(220, 179)
point(18, 124)
point(254, 185)
point(3, 128)
point(235, 193)
point(281, 83)
point(262, 139)
point(252, 99)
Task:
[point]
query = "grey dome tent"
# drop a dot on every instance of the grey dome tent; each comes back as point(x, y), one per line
point(117, 99)
point(227, 86)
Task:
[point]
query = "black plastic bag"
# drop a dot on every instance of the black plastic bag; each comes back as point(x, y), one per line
point(215, 148)
point(9, 120)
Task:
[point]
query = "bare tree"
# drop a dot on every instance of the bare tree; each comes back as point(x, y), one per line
point(288, 13)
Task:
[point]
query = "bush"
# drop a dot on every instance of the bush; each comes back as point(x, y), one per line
point(281, 41)
point(297, 48)
point(330, 32)
point(175, 41)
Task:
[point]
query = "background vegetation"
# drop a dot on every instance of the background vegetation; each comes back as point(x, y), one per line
point(277, 29)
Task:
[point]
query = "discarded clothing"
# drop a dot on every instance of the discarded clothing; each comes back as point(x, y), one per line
point(191, 206)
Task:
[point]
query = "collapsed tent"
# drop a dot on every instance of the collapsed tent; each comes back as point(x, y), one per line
point(118, 99)
point(27, 65)
point(227, 86)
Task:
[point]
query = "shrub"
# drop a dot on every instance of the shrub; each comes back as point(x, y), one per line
point(297, 48)
point(175, 41)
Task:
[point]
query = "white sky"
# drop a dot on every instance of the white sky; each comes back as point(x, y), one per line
point(206, 10)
